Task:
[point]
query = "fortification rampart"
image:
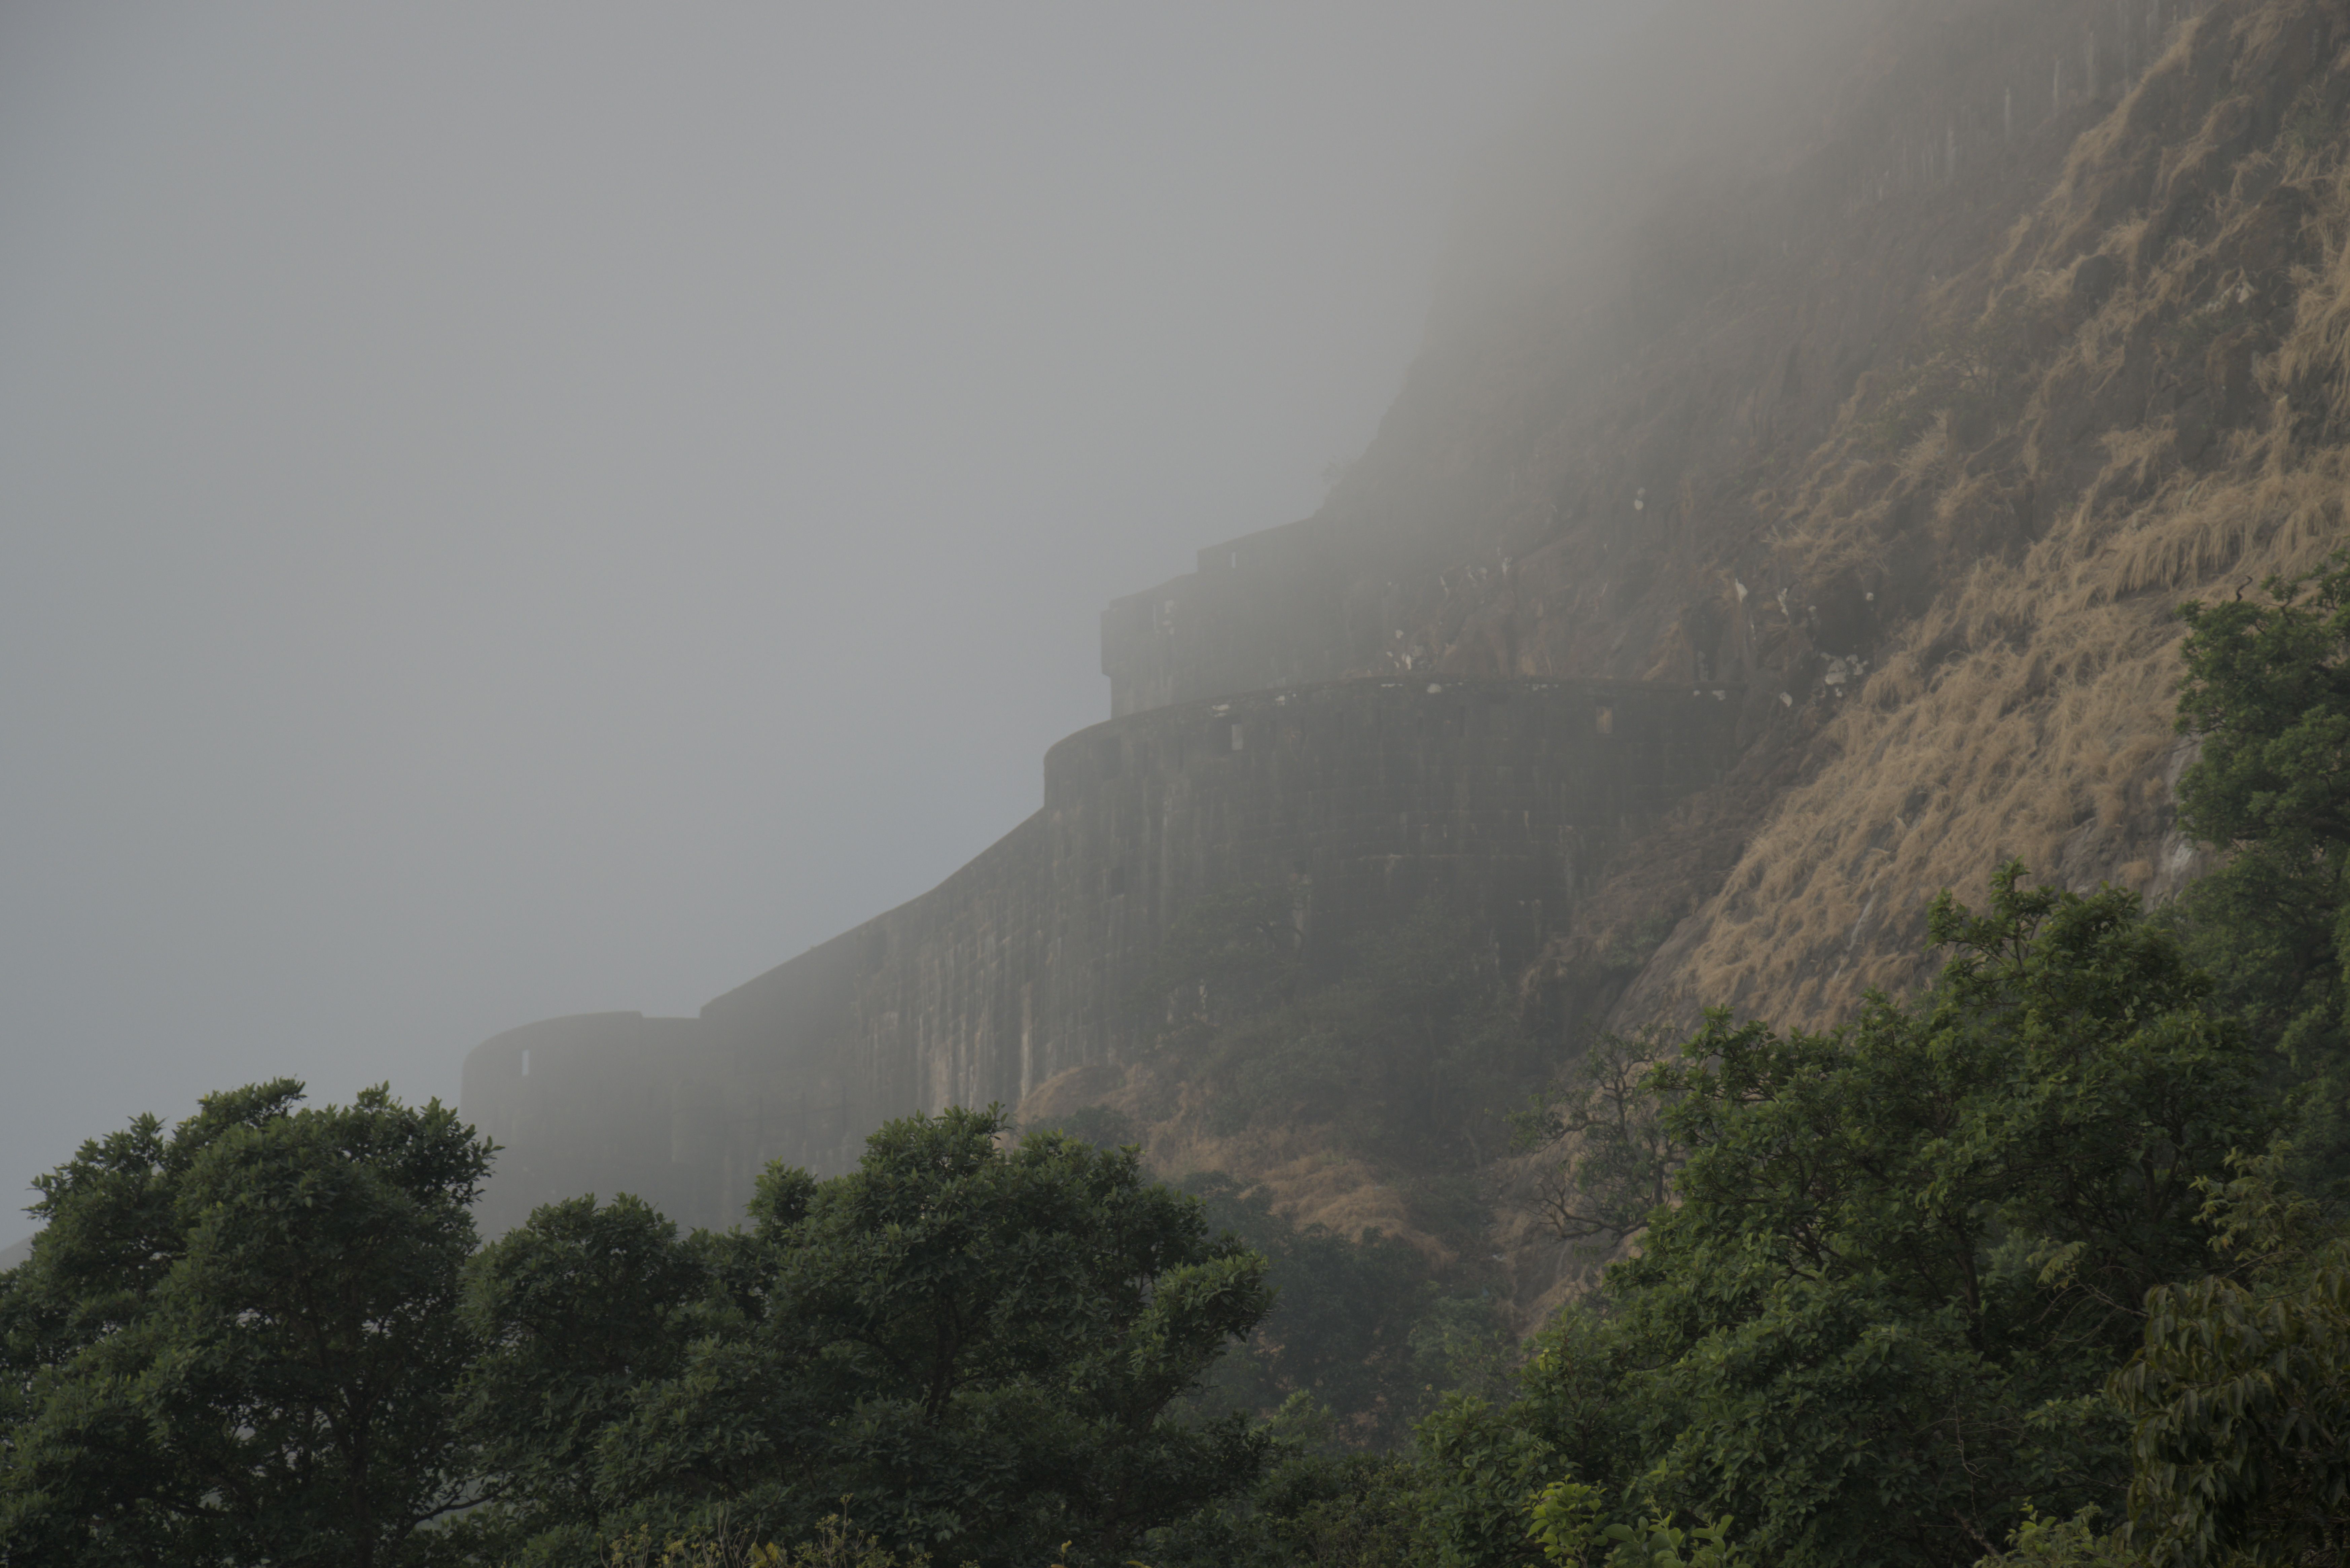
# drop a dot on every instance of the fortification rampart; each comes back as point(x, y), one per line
point(1499, 797)
point(1261, 612)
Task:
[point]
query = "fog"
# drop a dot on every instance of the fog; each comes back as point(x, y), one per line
point(509, 511)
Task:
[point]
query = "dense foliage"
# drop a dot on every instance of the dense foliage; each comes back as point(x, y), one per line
point(2240, 1399)
point(981, 1344)
point(2267, 696)
point(2045, 1266)
point(267, 1337)
point(1906, 1256)
point(236, 1342)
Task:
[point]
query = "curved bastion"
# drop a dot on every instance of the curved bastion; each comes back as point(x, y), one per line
point(1502, 798)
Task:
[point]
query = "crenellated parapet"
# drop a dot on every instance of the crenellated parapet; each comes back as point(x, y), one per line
point(1499, 797)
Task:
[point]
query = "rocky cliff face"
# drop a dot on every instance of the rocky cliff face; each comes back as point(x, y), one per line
point(1913, 412)
point(1893, 367)
point(1910, 395)
point(1357, 803)
point(2131, 395)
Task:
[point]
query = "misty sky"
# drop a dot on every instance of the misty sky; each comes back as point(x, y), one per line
point(514, 510)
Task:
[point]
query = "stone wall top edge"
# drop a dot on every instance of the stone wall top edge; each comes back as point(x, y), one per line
point(486, 1062)
point(850, 944)
point(1278, 543)
point(1274, 699)
point(568, 1023)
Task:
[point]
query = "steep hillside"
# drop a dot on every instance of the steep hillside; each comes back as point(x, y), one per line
point(1908, 392)
point(2138, 399)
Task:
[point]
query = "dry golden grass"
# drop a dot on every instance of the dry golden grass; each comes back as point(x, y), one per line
point(2027, 712)
point(1927, 461)
point(2048, 710)
point(1294, 1165)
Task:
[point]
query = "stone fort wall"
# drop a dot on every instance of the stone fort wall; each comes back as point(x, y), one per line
point(1261, 612)
point(1501, 797)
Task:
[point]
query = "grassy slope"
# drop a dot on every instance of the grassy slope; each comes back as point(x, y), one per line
point(1920, 448)
point(2142, 398)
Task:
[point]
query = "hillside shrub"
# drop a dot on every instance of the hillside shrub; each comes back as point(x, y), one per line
point(1903, 1258)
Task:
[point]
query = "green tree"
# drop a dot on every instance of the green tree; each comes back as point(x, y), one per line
point(236, 1343)
point(984, 1345)
point(2267, 695)
point(1905, 1257)
point(1481, 1467)
point(1605, 1125)
point(1566, 1520)
point(1333, 1509)
point(2238, 1398)
point(1907, 1254)
point(573, 1310)
point(1586, 1389)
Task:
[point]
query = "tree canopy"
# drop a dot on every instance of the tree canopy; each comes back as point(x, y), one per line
point(984, 1345)
point(2266, 696)
point(236, 1342)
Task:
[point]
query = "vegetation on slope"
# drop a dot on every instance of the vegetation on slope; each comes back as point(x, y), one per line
point(2028, 1269)
point(1913, 413)
point(2133, 395)
point(2047, 1264)
point(261, 1340)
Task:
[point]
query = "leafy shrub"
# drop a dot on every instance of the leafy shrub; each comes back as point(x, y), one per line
point(1902, 1260)
point(1566, 1521)
point(2240, 1395)
point(837, 1544)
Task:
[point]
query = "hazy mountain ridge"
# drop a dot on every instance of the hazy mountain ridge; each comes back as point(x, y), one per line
point(1967, 450)
point(1913, 411)
point(2134, 401)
